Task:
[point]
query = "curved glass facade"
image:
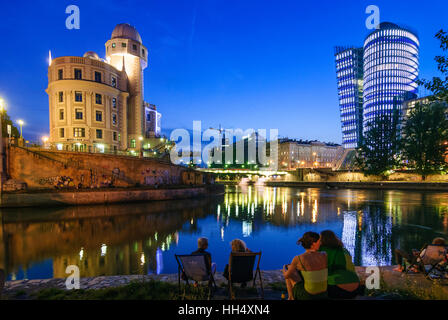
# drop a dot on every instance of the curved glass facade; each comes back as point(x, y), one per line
point(390, 69)
point(349, 73)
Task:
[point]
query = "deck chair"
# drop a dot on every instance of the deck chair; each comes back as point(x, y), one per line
point(241, 269)
point(194, 267)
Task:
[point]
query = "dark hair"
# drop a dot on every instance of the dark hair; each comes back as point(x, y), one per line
point(308, 239)
point(439, 241)
point(329, 239)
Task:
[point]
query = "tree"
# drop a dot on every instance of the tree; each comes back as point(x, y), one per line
point(378, 152)
point(439, 86)
point(5, 121)
point(425, 134)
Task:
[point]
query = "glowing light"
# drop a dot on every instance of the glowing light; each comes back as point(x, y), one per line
point(142, 259)
point(103, 250)
point(81, 253)
point(44, 139)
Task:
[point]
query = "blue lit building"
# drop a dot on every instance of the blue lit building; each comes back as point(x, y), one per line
point(375, 79)
point(349, 71)
point(390, 70)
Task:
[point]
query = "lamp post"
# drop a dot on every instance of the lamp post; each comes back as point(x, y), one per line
point(20, 122)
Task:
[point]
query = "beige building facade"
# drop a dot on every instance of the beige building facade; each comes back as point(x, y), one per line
point(293, 154)
point(97, 105)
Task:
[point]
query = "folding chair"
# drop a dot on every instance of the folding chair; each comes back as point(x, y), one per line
point(434, 259)
point(416, 261)
point(241, 269)
point(194, 267)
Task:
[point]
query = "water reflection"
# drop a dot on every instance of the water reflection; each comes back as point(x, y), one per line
point(142, 238)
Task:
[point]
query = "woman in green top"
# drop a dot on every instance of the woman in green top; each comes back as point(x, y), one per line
point(343, 282)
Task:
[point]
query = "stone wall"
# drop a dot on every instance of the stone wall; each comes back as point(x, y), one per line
point(322, 175)
point(42, 169)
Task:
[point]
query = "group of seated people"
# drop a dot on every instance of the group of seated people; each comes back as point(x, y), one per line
point(436, 253)
point(324, 270)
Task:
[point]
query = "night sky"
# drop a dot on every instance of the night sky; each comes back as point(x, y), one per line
point(236, 63)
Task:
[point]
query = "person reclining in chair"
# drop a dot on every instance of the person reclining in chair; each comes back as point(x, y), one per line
point(202, 246)
point(402, 256)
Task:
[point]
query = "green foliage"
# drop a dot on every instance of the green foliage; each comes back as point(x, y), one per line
point(5, 121)
point(379, 149)
point(439, 85)
point(424, 135)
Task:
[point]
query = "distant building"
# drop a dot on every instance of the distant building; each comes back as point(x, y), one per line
point(293, 154)
point(375, 80)
point(97, 105)
point(391, 67)
point(349, 71)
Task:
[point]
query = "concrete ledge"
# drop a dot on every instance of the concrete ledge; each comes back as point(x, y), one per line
point(75, 198)
point(429, 186)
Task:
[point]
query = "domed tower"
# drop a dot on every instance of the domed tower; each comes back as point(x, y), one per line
point(126, 52)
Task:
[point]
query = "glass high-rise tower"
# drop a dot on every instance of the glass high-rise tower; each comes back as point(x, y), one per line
point(375, 79)
point(349, 71)
point(390, 70)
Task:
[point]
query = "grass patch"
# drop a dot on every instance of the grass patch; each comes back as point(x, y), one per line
point(410, 290)
point(137, 290)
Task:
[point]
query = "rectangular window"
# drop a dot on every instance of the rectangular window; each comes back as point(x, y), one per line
point(114, 102)
point(97, 76)
point(60, 74)
point(114, 82)
point(114, 119)
point(132, 143)
point(61, 132)
point(99, 134)
point(148, 117)
point(61, 96)
point(123, 44)
point(119, 137)
point(79, 132)
point(134, 47)
point(78, 114)
point(143, 52)
point(115, 136)
point(98, 98)
point(99, 116)
point(61, 114)
point(78, 96)
point(78, 74)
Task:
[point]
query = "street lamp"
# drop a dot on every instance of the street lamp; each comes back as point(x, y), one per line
point(44, 140)
point(21, 123)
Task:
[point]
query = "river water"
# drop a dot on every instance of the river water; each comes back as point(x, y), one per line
point(142, 238)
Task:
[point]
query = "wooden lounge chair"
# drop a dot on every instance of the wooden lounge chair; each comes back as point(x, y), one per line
point(241, 269)
point(194, 267)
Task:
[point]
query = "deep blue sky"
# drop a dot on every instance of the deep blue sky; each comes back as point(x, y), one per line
point(238, 63)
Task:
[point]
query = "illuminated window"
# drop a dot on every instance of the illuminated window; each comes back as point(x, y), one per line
point(132, 143)
point(113, 45)
point(99, 134)
point(114, 102)
point(79, 132)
